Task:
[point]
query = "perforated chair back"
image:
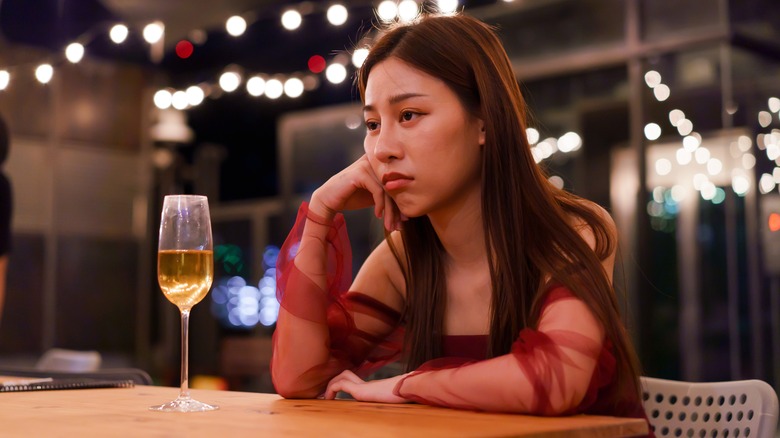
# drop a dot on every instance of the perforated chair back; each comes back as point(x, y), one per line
point(743, 408)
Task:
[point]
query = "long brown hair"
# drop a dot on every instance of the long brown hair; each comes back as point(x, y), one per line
point(527, 221)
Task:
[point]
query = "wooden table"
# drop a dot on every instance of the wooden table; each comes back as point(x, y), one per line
point(124, 412)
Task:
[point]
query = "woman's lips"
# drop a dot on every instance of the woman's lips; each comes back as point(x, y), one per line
point(395, 181)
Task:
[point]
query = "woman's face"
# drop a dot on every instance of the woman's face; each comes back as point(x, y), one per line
point(421, 142)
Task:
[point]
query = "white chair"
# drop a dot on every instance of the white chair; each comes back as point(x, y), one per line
point(61, 359)
point(744, 408)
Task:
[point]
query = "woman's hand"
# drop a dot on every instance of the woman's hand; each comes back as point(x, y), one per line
point(371, 391)
point(354, 188)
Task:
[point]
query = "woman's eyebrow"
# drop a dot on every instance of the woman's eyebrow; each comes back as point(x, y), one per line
point(396, 99)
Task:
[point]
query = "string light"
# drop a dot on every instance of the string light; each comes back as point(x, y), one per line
point(274, 89)
point(387, 10)
point(337, 14)
point(447, 6)
point(74, 52)
point(359, 57)
point(408, 10)
point(532, 135)
point(336, 73)
point(153, 32)
point(229, 81)
point(179, 100)
point(255, 86)
point(44, 73)
point(235, 25)
point(293, 87)
point(652, 131)
point(162, 99)
point(118, 33)
point(291, 19)
point(195, 95)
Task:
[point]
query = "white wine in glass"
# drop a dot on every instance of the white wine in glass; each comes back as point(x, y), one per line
point(185, 270)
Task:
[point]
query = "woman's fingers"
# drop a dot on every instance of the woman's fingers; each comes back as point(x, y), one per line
point(345, 381)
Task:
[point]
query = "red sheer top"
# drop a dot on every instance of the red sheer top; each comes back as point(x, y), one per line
point(563, 366)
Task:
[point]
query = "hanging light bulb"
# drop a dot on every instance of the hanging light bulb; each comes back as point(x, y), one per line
point(44, 73)
point(337, 14)
point(74, 52)
point(336, 73)
point(387, 10)
point(118, 33)
point(274, 88)
point(229, 81)
point(255, 86)
point(293, 87)
point(447, 6)
point(195, 95)
point(291, 19)
point(153, 32)
point(5, 78)
point(162, 99)
point(235, 25)
point(408, 10)
point(179, 100)
point(359, 57)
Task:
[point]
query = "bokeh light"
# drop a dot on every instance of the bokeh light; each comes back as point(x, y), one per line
point(229, 81)
point(235, 25)
point(118, 33)
point(153, 32)
point(291, 19)
point(255, 86)
point(387, 10)
point(74, 52)
point(184, 49)
point(316, 64)
point(533, 135)
point(652, 131)
point(359, 57)
point(179, 100)
point(274, 88)
point(195, 95)
point(293, 87)
point(162, 99)
point(44, 73)
point(652, 78)
point(337, 14)
point(5, 79)
point(408, 10)
point(336, 73)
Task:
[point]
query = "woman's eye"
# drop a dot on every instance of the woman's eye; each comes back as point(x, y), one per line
point(371, 126)
point(407, 115)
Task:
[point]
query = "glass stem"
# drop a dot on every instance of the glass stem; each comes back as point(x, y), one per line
point(185, 325)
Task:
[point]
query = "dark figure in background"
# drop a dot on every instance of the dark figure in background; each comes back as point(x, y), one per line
point(6, 207)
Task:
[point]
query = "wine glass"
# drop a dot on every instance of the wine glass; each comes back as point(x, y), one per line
point(185, 270)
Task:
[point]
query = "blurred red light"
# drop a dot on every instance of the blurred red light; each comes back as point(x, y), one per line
point(774, 222)
point(184, 49)
point(316, 64)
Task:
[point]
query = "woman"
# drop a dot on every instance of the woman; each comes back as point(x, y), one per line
point(495, 285)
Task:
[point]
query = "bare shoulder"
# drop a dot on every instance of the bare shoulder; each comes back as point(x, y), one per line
point(381, 276)
point(585, 230)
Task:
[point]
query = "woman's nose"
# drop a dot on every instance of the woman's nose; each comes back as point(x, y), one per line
point(387, 146)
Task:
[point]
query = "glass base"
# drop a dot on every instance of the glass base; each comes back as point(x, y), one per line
point(182, 404)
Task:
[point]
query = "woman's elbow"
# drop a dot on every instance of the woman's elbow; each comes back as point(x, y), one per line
point(291, 387)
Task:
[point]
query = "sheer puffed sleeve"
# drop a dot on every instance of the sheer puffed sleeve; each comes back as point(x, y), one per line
point(552, 370)
point(323, 329)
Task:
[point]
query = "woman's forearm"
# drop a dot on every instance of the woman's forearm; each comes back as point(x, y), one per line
point(302, 363)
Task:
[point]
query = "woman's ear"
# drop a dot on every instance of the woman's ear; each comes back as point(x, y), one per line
point(481, 132)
